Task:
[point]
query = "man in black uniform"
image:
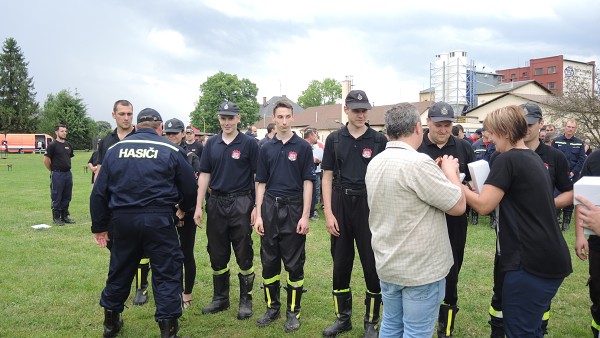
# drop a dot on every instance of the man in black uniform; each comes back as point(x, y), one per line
point(186, 228)
point(142, 179)
point(574, 150)
point(57, 160)
point(191, 144)
point(438, 141)
point(285, 174)
point(227, 166)
point(558, 168)
point(123, 114)
point(347, 153)
point(588, 214)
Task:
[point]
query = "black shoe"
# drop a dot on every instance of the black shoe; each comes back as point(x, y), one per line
point(141, 284)
point(56, 218)
point(566, 223)
point(66, 218)
point(168, 328)
point(373, 305)
point(246, 285)
point(474, 218)
point(112, 323)
point(446, 320)
point(343, 314)
point(269, 317)
point(292, 323)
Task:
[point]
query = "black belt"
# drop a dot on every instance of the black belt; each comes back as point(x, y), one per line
point(352, 192)
point(62, 171)
point(286, 200)
point(230, 194)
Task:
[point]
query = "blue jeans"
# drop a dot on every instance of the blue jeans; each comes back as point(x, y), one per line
point(525, 298)
point(410, 311)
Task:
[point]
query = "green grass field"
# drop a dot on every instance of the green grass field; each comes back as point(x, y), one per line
point(52, 278)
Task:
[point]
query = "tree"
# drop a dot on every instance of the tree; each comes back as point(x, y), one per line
point(580, 101)
point(18, 108)
point(104, 128)
point(67, 109)
point(215, 91)
point(321, 93)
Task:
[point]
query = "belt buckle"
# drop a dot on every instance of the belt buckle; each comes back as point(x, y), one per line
point(278, 199)
point(347, 191)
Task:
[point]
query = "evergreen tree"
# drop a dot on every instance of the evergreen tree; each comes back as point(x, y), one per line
point(18, 108)
point(65, 108)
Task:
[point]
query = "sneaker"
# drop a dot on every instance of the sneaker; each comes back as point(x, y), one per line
point(313, 218)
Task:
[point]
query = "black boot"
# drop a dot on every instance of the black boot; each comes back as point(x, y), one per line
point(66, 218)
point(168, 328)
point(220, 301)
point(246, 285)
point(493, 219)
point(56, 218)
point(342, 301)
point(446, 319)
point(595, 332)
point(112, 323)
point(294, 296)
point(566, 222)
point(474, 217)
point(497, 327)
point(272, 297)
point(141, 284)
point(373, 303)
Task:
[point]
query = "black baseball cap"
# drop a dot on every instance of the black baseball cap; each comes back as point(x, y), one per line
point(229, 108)
point(441, 111)
point(148, 115)
point(173, 126)
point(479, 131)
point(357, 99)
point(533, 112)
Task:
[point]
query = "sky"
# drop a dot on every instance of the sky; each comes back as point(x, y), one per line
point(157, 53)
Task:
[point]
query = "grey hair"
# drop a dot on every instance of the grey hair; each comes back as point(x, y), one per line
point(401, 120)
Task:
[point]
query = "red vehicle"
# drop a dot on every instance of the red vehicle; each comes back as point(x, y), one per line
point(24, 143)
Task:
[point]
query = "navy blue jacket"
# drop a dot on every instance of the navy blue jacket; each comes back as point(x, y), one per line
point(142, 171)
point(573, 149)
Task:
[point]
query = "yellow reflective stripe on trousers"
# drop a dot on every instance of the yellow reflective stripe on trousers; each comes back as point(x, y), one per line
point(220, 272)
point(342, 291)
point(546, 315)
point(495, 313)
point(595, 325)
point(449, 325)
point(296, 284)
point(247, 272)
point(271, 280)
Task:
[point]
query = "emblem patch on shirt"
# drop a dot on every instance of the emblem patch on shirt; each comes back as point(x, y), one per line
point(292, 156)
point(367, 153)
point(235, 154)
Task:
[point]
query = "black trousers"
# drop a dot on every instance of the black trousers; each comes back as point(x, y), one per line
point(187, 239)
point(61, 188)
point(280, 241)
point(352, 214)
point(457, 231)
point(227, 226)
point(152, 233)
point(594, 284)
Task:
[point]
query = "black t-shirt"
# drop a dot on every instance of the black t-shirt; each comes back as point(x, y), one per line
point(60, 154)
point(456, 147)
point(557, 165)
point(591, 167)
point(285, 167)
point(528, 233)
point(195, 147)
point(351, 155)
point(107, 142)
point(231, 166)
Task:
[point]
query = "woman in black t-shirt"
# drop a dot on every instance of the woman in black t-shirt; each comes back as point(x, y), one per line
point(531, 249)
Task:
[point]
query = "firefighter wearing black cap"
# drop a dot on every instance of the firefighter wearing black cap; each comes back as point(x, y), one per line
point(347, 153)
point(186, 228)
point(558, 168)
point(285, 174)
point(227, 166)
point(438, 141)
point(142, 179)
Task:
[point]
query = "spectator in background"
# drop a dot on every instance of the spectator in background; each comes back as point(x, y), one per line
point(588, 147)
point(475, 136)
point(191, 144)
point(550, 128)
point(311, 137)
point(548, 138)
point(542, 133)
point(484, 149)
point(574, 150)
point(93, 162)
point(270, 133)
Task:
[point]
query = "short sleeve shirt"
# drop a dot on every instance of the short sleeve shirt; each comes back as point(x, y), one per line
point(528, 233)
point(591, 167)
point(557, 165)
point(285, 167)
point(107, 142)
point(231, 166)
point(60, 154)
point(348, 157)
point(456, 147)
